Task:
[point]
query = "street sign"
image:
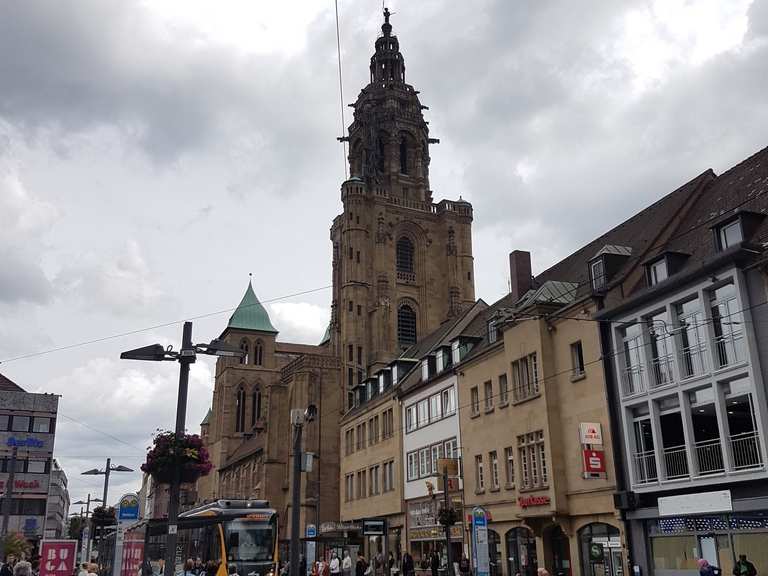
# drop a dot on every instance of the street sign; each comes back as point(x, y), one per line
point(128, 508)
point(57, 557)
point(591, 433)
point(311, 532)
point(480, 542)
point(596, 553)
point(453, 484)
point(594, 461)
point(452, 464)
point(373, 527)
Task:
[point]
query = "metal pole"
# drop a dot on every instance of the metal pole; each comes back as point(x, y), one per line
point(106, 483)
point(186, 357)
point(446, 505)
point(8, 500)
point(295, 501)
point(87, 546)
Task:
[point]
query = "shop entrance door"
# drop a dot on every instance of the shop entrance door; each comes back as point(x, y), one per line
point(561, 552)
point(708, 550)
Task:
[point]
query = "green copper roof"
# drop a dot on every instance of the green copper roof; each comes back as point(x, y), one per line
point(326, 336)
point(250, 314)
point(207, 419)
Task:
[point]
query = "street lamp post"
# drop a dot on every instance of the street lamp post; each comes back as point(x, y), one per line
point(185, 357)
point(107, 470)
point(298, 419)
point(85, 545)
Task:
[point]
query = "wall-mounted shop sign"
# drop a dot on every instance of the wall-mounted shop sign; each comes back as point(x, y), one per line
point(528, 501)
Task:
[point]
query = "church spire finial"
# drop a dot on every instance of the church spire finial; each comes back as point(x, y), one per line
point(386, 28)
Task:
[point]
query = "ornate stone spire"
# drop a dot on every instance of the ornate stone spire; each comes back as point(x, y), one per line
point(387, 64)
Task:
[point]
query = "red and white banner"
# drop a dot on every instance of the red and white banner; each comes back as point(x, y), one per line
point(133, 556)
point(57, 557)
point(594, 461)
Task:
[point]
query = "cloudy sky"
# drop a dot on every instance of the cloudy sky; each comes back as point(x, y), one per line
point(153, 154)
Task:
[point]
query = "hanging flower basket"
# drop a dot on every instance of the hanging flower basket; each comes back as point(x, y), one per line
point(447, 516)
point(169, 453)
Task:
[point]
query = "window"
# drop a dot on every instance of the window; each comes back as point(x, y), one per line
point(597, 274)
point(36, 466)
point(503, 390)
point(258, 356)
point(361, 484)
point(479, 474)
point(350, 353)
point(494, 460)
point(359, 310)
point(455, 352)
point(351, 253)
point(388, 480)
point(728, 325)
point(493, 333)
point(633, 373)
point(533, 460)
point(349, 481)
point(387, 424)
point(692, 334)
point(4, 421)
point(373, 476)
point(451, 448)
point(509, 457)
point(41, 425)
point(449, 401)
point(410, 418)
point(240, 410)
point(488, 392)
point(475, 394)
point(436, 452)
point(403, 156)
point(657, 272)
point(425, 370)
point(255, 406)
point(661, 349)
point(577, 360)
point(244, 348)
point(435, 407)
point(413, 466)
point(360, 355)
point(525, 378)
point(425, 467)
point(404, 255)
point(349, 441)
point(730, 234)
point(406, 326)
point(423, 411)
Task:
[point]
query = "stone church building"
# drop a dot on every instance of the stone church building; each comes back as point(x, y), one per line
point(402, 265)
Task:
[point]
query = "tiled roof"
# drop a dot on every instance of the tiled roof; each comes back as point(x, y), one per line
point(8, 385)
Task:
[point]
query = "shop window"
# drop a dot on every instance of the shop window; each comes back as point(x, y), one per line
point(600, 550)
point(521, 552)
point(674, 553)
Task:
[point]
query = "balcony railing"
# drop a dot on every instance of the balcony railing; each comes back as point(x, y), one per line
point(662, 371)
point(694, 363)
point(746, 451)
point(730, 349)
point(406, 277)
point(709, 455)
point(645, 467)
point(676, 462)
point(632, 380)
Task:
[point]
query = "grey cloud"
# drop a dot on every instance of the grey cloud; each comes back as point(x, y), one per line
point(22, 280)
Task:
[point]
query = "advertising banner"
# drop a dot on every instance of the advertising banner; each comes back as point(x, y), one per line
point(57, 557)
point(133, 556)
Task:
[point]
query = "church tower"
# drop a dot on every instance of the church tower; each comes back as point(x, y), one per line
point(401, 264)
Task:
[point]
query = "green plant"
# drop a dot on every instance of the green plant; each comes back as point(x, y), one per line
point(447, 516)
point(15, 543)
point(171, 452)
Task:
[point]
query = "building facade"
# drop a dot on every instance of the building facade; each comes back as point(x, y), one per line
point(248, 424)
point(27, 433)
point(402, 264)
point(689, 384)
point(57, 513)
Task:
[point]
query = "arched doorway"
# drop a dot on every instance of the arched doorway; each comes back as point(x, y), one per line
point(494, 553)
point(559, 551)
point(600, 549)
point(521, 552)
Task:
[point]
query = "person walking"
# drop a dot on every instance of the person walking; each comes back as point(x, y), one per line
point(7, 567)
point(434, 562)
point(705, 568)
point(744, 567)
point(407, 565)
point(83, 570)
point(346, 564)
point(464, 567)
point(22, 568)
point(335, 565)
point(362, 566)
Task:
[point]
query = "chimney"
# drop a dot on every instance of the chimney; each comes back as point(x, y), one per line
point(519, 273)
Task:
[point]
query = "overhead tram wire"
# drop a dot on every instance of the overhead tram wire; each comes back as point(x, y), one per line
point(157, 326)
point(107, 434)
point(341, 91)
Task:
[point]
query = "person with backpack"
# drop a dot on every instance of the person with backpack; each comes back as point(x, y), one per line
point(744, 567)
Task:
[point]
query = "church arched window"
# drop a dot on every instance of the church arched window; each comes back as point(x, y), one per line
point(403, 155)
point(406, 326)
point(240, 410)
point(380, 154)
point(255, 406)
point(404, 255)
point(258, 353)
point(245, 349)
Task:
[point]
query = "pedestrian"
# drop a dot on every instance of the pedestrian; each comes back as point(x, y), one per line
point(233, 570)
point(189, 568)
point(542, 572)
point(7, 568)
point(323, 568)
point(744, 567)
point(464, 567)
point(83, 570)
point(346, 564)
point(22, 568)
point(434, 562)
point(705, 569)
point(407, 564)
point(93, 570)
point(362, 566)
point(302, 565)
point(335, 565)
point(390, 562)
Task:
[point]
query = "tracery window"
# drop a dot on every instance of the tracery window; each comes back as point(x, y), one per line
point(406, 326)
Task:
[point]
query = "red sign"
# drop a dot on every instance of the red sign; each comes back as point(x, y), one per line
point(133, 555)
point(57, 557)
point(594, 461)
point(21, 485)
point(526, 501)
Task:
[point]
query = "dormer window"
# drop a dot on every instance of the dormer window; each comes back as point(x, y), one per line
point(493, 332)
point(657, 272)
point(425, 370)
point(729, 234)
point(597, 274)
